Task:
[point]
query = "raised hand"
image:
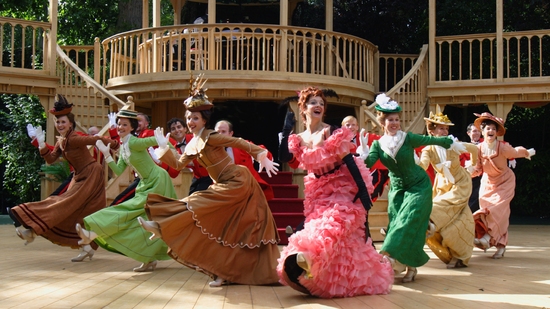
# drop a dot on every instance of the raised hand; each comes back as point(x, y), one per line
point(162, 140)
point(40, 137)
point(269, 166)
point(31, 131)
point(112, 120)
point(289, 123)
point(363, 149)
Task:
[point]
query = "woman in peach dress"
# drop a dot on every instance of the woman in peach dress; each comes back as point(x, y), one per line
point(498, 184)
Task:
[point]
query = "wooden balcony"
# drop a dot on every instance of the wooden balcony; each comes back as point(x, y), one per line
point(241, 61)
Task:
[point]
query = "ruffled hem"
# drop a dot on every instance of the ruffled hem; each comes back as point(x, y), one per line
point(323, 157)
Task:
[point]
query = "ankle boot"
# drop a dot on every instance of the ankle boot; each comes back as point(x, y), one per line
point(500, 253)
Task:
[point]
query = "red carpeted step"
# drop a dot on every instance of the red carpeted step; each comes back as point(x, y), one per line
point(286, 205)
point(285, 191)
point(280, 178)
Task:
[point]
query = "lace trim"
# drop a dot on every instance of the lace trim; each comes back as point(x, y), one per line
point(225, 243)
point(391, 144)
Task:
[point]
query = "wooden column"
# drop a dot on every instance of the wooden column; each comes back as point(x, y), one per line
point(50, 61)
point(500, 47)
point(145, 14)
point(431, 42)
point(156, 13)
point(212, 11)
point(329, 15)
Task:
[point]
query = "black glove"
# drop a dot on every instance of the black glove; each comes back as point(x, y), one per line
point(362, 192)
point(288, 126)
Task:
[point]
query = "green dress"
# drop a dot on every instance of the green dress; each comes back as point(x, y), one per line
point(409, 197)
point(117, 227)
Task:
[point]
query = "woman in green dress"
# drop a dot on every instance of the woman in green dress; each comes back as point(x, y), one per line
point(116, 228)
point(410, 194)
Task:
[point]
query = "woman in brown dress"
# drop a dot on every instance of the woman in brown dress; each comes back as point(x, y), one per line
point(226, 231)
point(55, 217)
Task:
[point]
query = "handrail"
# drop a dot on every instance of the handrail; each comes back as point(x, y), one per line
point(410, 92)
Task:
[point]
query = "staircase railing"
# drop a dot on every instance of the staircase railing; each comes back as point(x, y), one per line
point(411, 93)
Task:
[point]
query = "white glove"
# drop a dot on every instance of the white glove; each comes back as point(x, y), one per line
point(105, 150)
point(162, 140)
point(531, 152)
point(31, 131)
point(471, 169)
point(363, 149)
point(112, 119)
point(416, 158)
point(512, 163)
point(270, 166)
point(457, 146)
point(40, 137)
point(153, 155)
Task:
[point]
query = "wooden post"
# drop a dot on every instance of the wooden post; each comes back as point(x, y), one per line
point(145, 14)
point(329, 15)
point(50, 65)
point(97, 59)
point(431, 42)
point(500, 47)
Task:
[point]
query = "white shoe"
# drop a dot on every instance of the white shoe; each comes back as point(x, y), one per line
point(216, 283)
point(150, 226)
point(87, 252)
point(145, 267)
point(28, 235)
point(431, 230)
point(410, 275)
point(500, 253)
point(87, 236)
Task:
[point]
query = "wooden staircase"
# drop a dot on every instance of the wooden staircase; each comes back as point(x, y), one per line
point(288, 208)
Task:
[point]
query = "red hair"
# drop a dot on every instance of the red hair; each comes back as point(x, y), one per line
point(305, 95)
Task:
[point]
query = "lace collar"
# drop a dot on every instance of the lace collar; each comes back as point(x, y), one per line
point(192, 146)
point(391, 144)
point(125, 152)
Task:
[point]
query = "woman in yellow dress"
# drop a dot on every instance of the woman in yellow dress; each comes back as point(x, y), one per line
point(453, 239)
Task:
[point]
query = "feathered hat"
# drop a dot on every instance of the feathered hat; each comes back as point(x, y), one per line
point(385, 104)
point(61, 106)
point(197, 100)
point(438, 117)
point(501, 130)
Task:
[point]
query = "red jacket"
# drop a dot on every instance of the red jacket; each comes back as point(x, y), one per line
point(243, 158)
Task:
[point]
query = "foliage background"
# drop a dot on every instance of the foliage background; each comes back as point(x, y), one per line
point(19, 159)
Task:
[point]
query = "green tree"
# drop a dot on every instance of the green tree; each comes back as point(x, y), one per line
point(22, 160)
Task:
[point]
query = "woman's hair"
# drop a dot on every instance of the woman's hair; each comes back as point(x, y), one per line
point(70, 116)
point(487, 122)
point(305, 95)
point(430, 126)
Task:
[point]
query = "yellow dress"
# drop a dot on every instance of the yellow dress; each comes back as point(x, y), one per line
point(454, 236)
point(227, 230)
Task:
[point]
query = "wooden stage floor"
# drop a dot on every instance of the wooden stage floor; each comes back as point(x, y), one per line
point(41, 275)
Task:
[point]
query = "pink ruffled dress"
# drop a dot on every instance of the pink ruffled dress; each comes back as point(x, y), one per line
point(342, 262)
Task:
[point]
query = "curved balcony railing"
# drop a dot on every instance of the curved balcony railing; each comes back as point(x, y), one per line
point(239, 47)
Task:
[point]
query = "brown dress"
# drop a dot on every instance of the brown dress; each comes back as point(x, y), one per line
point(55, 217)
point(227, 230)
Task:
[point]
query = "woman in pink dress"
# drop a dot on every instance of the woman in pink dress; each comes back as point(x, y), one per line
point(330, 256)
point(498, 183)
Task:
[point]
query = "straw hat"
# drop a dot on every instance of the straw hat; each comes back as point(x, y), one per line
point(61, 106)
point(126, 113)
point(439, 118)
point(501, 130)
point(385, 104)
